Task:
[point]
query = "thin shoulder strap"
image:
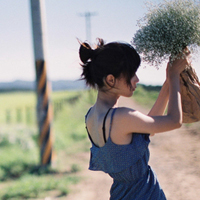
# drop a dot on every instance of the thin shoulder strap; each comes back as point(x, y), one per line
point(86, 125)
point(87, 113)
point(104, 121)
point(113, 112)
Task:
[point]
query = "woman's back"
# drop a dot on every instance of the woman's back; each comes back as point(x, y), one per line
point(94, 122)
point(127, 165)
point(99, 126)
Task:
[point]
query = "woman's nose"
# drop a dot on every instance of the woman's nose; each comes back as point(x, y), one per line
point(137, 79)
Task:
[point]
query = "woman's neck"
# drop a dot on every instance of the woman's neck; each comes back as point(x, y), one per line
point(106, 99)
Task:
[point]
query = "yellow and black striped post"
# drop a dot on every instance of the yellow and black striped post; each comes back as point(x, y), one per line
point(44, 106)
point(45, 114)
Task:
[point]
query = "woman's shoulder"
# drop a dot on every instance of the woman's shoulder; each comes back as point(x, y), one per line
point(119, 125)
point(123, 112)
point(127, 121)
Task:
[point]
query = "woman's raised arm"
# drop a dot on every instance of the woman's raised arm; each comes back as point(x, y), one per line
point(134, 121)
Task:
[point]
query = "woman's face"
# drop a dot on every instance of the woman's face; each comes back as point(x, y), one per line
point(134, 82)
point(124, 89)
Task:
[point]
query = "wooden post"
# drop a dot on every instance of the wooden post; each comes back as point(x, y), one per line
point(44, 106)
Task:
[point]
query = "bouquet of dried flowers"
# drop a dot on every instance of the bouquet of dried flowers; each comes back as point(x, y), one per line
point(167, 29)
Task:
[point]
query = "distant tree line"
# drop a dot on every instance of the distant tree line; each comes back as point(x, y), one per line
point(30, 85)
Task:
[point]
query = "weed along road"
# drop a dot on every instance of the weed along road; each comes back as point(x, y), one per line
point(174, 156)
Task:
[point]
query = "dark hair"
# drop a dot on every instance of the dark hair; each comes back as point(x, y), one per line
point(113, 58)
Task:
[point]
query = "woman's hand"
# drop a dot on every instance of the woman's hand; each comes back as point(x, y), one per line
point(179, 64)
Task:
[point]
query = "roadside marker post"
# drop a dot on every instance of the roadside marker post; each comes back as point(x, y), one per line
point(43, 89)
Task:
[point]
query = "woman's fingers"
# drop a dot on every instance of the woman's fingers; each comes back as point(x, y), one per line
point(186, 51)
point(189, 59)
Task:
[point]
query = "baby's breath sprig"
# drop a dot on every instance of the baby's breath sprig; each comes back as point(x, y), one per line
point(167, 29)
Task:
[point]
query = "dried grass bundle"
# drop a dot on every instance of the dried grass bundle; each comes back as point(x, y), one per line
point(167, 29)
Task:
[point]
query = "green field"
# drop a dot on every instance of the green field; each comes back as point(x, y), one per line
point(20, 172)
point(146, 95)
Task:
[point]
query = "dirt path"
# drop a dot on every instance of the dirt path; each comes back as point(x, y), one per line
point(175, 157)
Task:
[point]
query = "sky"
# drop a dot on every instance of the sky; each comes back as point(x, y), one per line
point(112, 20)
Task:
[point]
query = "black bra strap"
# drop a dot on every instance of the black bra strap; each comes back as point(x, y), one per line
point(87, 113)
point(86, 125)
point(89, 134)
point(103, 128)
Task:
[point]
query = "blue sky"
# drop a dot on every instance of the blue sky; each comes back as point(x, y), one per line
point(114, 21)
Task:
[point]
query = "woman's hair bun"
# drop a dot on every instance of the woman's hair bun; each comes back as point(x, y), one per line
point(114, 58)
point(85, 52)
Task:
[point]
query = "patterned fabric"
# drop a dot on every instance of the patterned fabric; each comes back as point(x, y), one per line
point(133, 179)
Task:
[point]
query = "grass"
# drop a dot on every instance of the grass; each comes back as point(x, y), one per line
point(31, 186)
point(20, 173)
point(17, 99)
point(15, 102)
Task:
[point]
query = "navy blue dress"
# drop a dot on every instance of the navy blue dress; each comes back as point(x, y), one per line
point(133, 178)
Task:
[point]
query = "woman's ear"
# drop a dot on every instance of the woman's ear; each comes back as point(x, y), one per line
point(110, 80)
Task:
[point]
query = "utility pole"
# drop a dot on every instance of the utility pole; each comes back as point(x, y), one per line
point(44, 106)
point(88, 16)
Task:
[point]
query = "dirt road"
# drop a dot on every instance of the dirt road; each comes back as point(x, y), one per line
point(175, 157)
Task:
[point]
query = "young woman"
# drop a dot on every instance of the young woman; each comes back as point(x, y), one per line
point(120, 135)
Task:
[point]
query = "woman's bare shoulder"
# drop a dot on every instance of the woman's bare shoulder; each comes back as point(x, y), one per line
point(129, 120)
point(122, 112)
